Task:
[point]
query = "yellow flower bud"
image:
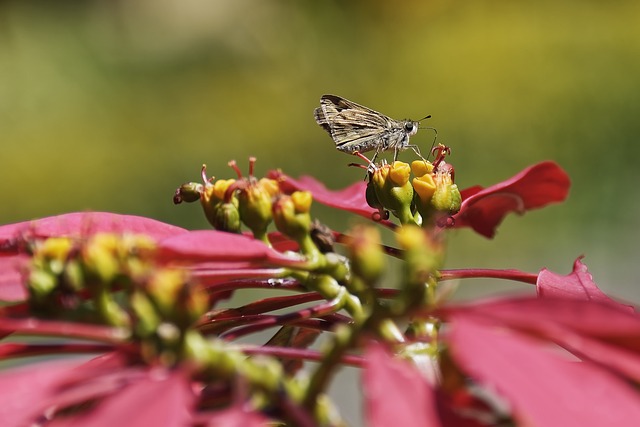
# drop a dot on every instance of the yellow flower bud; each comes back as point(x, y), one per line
point(302, 201)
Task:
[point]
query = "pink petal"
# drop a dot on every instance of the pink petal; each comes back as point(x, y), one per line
point(236, 416)
point(219, 246)
point(534, 187)
point(351, 198)
point(579, 285)
point(80, 224)
point(606, 334)
point(27, 391)
point(11, 278)
point(161, 398)
point(282, 243)
point(544, 388)
point(396, 394)
point(613, 323)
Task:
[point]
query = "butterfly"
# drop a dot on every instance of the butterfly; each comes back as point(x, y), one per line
point(357, 129)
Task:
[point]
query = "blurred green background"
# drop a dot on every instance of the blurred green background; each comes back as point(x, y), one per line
point(110, 105)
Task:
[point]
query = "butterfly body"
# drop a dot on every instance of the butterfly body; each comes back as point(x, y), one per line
point(356, 128)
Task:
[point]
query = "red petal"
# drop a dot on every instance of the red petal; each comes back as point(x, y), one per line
point(236, 416)
point(27, 391)
point(351, 198)
point(396, 394)
point(614, 323)
point(578, 285)
point(11, 280)
point(79, 224)
point(604, 333)
point(163, 398)
point(534, 187)
point(219, 246)
point(544, 388)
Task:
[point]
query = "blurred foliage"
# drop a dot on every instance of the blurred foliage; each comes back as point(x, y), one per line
point(110, 105)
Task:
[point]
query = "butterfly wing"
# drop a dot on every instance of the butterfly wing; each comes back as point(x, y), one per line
point(353, 127)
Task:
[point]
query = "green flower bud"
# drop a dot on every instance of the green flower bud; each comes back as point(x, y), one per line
point(365, 252)
point(227, 218)
point(291, 215)
point(255, 207)
point(188, 192)
point(393, 190)
point(447, 197)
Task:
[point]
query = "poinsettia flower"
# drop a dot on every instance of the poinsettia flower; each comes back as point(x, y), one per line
point(537, 186)
point(512, 346)
point(482, 209)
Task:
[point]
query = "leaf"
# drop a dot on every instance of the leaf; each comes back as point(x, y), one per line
point(219, 246)
point(534, 187)
point(543, 387)
point(579, 285)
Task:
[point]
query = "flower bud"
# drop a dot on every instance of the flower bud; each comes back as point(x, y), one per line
point(255, 205)
point(176, 300)
point(393, 190)
point(436, 192)
point(100, 256)
point(447, 197)
point(423, 255)
point(213, 197)
point(188, 192)
point(291, 215)
point(365, 252)
point(227, 218)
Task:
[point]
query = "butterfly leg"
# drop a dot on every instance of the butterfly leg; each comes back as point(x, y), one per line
point(416, 150)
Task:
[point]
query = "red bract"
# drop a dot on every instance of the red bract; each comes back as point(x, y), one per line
point(351, 198)
point(397, 394)
point(11, 288)
point(222, 248)
point(236, 416)
point(512, 346)
point(535, 187)
point(579, 285)
point(158, 397)
point(83, 224)
point(78, 225)
point(482, 209)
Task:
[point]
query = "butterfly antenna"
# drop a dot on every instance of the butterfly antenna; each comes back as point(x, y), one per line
point(435, 137)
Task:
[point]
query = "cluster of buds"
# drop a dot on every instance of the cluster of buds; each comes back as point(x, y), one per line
point(255, 203)
point(424, 200)
point(77, 279)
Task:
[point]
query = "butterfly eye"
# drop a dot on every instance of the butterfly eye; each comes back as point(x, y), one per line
point(409, 126)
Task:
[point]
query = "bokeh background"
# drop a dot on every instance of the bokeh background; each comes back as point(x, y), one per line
point(110, 105)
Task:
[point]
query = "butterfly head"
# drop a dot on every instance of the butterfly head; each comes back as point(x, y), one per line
point(411, 127)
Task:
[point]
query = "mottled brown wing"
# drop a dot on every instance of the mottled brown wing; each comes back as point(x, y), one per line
point(351, 124)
